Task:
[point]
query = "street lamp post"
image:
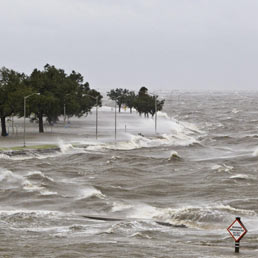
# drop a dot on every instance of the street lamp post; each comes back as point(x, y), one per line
point(156, 111)
point(97, 102)
point(24, 125)
point(115, 120)
point(156, 117)
point(65, 108)
point(64, 115)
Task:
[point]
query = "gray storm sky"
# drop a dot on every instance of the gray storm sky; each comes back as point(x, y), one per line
point(162, 44)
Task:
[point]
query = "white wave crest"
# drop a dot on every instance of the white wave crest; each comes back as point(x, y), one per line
point(119, 206)
point(34, 155)
point(4, 156)
point(136, 142)
point(240, 176)
point(65, 147)
point(141, 235)
point(95, 147)
point(30, 213)
point(90, 192)
point(10, 180)
point(170, 132)
point(255, 153)
point(235, 210)
point(174, 156)
point(139, 141)
point(235, 111)
point(38, 175)
point(191, 216)
point(15, 157)
point(222, 168)
point(46, 193)
point(179, 139)
point(30, 187)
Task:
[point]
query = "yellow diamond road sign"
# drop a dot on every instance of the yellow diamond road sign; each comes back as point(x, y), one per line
point(237, 230)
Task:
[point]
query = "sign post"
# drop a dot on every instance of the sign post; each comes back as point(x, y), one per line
point(237, 230)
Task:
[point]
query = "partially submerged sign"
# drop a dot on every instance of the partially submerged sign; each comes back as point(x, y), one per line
point(237, 229)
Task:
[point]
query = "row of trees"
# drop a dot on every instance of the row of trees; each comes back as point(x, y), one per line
point(143, 102)
point(55, 88)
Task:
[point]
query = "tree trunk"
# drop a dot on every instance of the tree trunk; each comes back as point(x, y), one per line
point(131, 110)
point(41, 127)
point(3, 126)
point(119, 108)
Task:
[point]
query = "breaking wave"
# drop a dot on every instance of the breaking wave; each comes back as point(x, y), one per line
point(138, 141)
point(190, 216)
point(10, 180)
point(240, 176)
point(222, 168)
point(255, 153)
point(32, 182)
point(90, 192)
point(62, 149)
point(38, 175)
point(174, 156)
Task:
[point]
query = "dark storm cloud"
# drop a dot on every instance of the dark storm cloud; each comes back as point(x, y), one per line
point(163, 44)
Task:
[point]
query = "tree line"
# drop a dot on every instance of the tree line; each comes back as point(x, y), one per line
point(143, 102)
point(47, 92)
point(55, 89)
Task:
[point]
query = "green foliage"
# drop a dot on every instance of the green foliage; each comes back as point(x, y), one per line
point(32, 147)
point(119, 96)
point(129, 100)
point(147, 104)
point(143, 91)
point(57, 90)
point(47, 83)
point(143, 102)
point(11, 89)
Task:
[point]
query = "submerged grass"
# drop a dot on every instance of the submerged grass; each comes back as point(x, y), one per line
point(33, 147)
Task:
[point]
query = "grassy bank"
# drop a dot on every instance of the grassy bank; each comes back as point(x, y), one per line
point(33, 147)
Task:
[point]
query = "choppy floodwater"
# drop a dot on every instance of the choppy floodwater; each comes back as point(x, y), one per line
point(197, 175)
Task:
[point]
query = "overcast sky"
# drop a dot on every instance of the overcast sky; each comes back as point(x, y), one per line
point(161, 44)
